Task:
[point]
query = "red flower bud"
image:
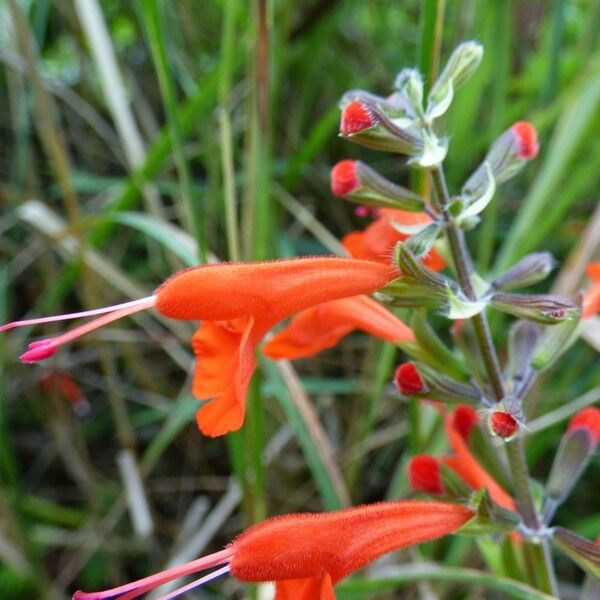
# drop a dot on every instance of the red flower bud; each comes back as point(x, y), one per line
point(408, 380)
point(503, 424)
point(528, 142)
point(589, 419)
point(424, 474)
point(356, 117)
point(463, 420)
point(344, 179)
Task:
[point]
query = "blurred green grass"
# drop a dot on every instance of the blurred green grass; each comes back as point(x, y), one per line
point(191, 157)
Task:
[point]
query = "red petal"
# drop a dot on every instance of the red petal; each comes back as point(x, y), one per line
point(527, 136)
point(424, 474)
point(503, 424)
point(408, 380)
point(356, 117)
point(344, 179)
point(466, 466)
point(322, 326)
point(590, 419)
point(225, 363)
point(463, 419)
point(313, 588)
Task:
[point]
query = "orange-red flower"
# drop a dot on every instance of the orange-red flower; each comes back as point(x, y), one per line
point(307, 554)
point(322, 326)
point(377, 240)
point(591, 297)
point(458, 426)
point(237, 303)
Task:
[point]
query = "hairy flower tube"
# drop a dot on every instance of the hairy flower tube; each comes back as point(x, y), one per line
point(237, 303)
point(306, 555)
point(322, 326)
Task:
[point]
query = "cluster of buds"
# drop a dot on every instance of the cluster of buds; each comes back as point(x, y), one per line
point(400, 123)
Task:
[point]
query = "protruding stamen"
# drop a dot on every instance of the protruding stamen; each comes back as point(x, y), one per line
point(44, 349)
point(141, 586)
point(138, 304)
point(194, 584)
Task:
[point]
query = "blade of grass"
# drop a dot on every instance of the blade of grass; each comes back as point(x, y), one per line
point(397, 577)
point(190, 208)
point(308, 431)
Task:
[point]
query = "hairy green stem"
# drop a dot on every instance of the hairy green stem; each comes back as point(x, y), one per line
point(539, 554)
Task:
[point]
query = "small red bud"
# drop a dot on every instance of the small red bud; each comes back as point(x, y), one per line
point(344, 178)
point(527, 136)
point(424, 474)
point(503, 424)
point(463, 420)
point(356, 117)
point(408, 380)
point(588, 418)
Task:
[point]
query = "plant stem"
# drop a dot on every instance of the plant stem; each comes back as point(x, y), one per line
point(544, 572)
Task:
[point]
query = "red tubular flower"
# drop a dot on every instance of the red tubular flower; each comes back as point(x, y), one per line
point(464, 419)
point(378, 240)
point(322, 326)
point(237, 303)
point(424, 475)
point(591, 297)
point(307, 554)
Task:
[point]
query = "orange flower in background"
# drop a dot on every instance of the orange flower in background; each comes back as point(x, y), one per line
point(591, 297)
point(424, 473)
point(307, 554)
point(377, 240)
point(322, 326)
point(238, 303)
point(464, 464)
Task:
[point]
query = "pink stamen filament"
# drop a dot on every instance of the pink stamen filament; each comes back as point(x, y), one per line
point(141, 586)
point(197, 583)
point(35, 351)
point(145, 302)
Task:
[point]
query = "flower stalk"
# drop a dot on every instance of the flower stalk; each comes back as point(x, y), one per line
point(538, 554)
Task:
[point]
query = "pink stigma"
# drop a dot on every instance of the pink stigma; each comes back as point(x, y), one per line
point(44, 349)
point(37, 351)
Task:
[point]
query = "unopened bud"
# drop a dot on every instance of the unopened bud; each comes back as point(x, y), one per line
point(410, 83)
point(547, 309)
point(38, 351)
point(461, 65)
point(584, 553)
point(357, 182)
point(409, 381)
point(576, 448)
point(424, 475)
point(528, 271)
point(366, 124)
point(502, 424)
point(506, 157)
point(445, 389)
